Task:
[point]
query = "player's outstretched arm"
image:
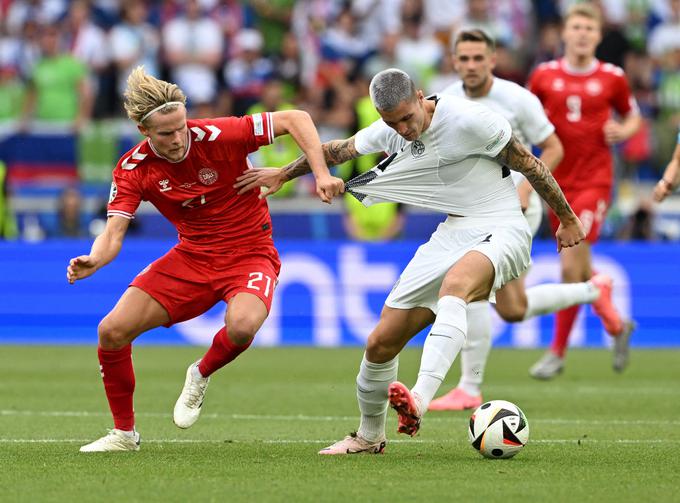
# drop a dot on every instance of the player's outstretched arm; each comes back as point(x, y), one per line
point(516, 156)
point(670, 179)
point(104, 249)
point(335, 152)
point(300, 126)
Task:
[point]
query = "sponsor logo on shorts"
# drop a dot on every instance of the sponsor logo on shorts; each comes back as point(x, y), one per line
point(417, 148)
point(113, 192)
point(207, 176)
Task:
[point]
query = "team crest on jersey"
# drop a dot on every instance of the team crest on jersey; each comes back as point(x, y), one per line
point(165, 185)
point(593, 87)
point(417, 148)
point(113, 192)
point(207, 176)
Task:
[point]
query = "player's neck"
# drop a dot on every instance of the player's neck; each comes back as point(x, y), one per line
point(579, 62)
point(480, 91)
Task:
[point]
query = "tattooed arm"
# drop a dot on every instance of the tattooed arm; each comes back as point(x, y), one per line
point(335, 152)
point(516, 156)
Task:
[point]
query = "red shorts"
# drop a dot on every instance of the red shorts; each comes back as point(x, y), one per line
point(188, 284)
point(590, 207)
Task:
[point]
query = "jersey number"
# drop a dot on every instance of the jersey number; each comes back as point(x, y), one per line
point(194, 201)
point(256, 277)
point(573, 108)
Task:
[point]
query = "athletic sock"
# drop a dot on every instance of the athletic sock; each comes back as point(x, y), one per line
point(373, 381)
point(441, 347)
point(564, 321)
point(119, 384)
point(550, 298)
point(221, 352)
point(476, 350)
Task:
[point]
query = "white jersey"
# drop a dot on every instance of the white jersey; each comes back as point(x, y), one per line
point(519, 106)
point(451, 168)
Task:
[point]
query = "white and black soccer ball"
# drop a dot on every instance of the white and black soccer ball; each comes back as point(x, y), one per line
point(498, 429)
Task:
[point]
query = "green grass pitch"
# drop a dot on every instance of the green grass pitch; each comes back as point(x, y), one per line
point(595, 435)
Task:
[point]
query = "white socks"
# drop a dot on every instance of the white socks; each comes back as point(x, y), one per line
point(550, 298)
point(441, 347)
point(372, 383)
point(476, 350)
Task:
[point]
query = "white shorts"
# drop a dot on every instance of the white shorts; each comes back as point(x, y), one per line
point(507, 244)
point(534, 212)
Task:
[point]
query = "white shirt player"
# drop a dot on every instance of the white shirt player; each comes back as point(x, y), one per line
point(451, 168)
point(530, 125)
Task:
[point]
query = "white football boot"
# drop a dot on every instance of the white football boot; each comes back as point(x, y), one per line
point(114, 441)
point(547, 367)
point(188, 406)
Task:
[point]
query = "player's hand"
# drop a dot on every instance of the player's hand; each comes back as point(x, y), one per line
point(569, 234)
point(80, 267)
point(327, 187)
point(254, 178)
point(613, 132)
point(662, 190)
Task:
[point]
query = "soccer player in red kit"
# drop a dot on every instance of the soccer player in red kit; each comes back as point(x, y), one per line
point(579, 93)
point(187, 169)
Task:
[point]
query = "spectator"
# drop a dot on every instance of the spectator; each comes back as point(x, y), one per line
point(58, 90)
point(193, 48)
point(248, 71)
point(8, 225)
point(70, 219)
point(134, 42)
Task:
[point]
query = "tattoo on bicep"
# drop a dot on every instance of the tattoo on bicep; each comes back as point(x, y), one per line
point(517, 157)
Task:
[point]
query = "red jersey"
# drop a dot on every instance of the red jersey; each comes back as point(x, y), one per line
point(196, 193)
point(579, 104)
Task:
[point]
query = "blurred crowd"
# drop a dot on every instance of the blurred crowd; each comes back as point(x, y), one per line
point(65, 62)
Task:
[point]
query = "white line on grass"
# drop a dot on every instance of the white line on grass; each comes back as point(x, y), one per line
point(301, 417)
point(582, 441)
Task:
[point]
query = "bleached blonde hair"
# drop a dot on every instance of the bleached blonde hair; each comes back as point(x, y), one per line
point(145, 93)
point(584, 9)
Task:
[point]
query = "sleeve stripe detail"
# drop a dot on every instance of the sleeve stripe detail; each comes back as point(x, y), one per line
point(270, 127)
point(119, 213)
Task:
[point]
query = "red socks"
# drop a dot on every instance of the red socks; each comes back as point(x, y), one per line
point(564, 321)
point(119, 384)
point(221, 352)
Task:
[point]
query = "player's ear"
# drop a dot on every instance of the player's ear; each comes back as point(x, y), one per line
point(143, 130)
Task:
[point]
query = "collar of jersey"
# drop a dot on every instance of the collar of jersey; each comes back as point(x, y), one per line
point(165, 158)
point(577, 71)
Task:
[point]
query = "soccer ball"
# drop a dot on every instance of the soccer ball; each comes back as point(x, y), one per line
point(498, 429)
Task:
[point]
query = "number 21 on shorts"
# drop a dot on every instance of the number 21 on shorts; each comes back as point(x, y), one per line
point(256, 282)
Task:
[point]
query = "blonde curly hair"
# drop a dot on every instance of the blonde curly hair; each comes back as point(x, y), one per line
point(144, 93)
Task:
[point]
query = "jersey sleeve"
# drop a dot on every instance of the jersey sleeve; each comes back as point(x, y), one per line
point(234, 136)
point(624, 103)
point(485, 132)
point(374, 138)
point(125, 195)
point(534, 123)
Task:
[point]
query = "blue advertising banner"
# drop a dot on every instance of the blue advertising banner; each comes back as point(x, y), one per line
point(329, 294)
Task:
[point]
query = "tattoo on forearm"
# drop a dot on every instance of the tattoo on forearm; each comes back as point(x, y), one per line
point(517, 157)
point(335, 152)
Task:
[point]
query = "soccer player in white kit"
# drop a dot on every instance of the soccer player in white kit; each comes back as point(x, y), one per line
point(474, 59)
point(450, 155)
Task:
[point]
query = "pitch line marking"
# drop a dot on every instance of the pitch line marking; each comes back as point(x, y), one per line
point(309, 441)
point(292, 417)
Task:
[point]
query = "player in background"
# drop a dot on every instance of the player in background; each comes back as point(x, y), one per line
point(474, 60)
point(671, 176)
point(186, 169)
point(579, 93)
point(450, 155)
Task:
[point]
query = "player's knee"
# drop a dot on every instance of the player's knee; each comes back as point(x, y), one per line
point(242, 329)
point(379, 350)
point(514, 311)
point(112, 335)
point(458, 287)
